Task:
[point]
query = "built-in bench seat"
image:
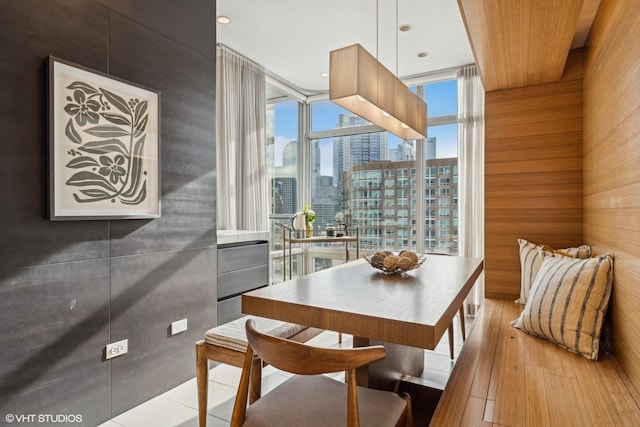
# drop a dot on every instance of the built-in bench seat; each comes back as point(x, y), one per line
point(227, 344)
point(504, 377)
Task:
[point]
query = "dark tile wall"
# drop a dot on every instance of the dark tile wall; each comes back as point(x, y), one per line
point(69, 288)
point(157, 289)
point(29, 31)
point(55, 322)
point(188, 175)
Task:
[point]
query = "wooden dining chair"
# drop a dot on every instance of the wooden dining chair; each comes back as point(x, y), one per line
point(309, 398)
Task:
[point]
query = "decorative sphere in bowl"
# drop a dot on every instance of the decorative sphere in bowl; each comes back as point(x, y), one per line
point(390, 263)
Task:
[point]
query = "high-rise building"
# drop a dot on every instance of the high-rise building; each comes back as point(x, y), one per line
point(325, 204)
point(284, 181)
point(283, 188)
point(430, 148)
point(381, 199)
point(290, 154)
point(352, 150)
point(406, 150)
point(315, 166)
point(284, 195)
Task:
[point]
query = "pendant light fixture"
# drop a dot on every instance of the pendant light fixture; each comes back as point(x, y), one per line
point(362, 85)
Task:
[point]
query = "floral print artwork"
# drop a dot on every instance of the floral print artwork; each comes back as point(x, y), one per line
point(109, 132)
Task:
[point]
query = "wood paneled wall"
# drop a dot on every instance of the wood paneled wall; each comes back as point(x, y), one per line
point(611, 166)
point(533, 173)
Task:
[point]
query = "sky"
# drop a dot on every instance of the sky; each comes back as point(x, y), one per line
point(441, 99)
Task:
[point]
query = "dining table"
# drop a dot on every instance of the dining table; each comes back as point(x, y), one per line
point(407, 313)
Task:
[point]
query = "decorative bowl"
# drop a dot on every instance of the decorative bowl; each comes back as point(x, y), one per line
point(395, 265)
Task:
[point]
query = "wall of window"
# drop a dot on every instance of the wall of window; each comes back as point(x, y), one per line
point(356, 174)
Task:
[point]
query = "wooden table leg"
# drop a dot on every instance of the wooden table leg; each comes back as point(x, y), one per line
point(462, 329)
point(462, 321)
point(450, 329)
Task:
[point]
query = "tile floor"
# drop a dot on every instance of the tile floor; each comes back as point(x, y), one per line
point(178, 407)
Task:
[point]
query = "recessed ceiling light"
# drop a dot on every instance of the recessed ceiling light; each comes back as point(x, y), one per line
point(405, 27)
point(324, 74)
point(224, 20)
point(423, 54)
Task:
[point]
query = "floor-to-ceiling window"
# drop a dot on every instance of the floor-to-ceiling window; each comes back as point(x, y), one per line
point(283, 156)
point(441, 167)
point(359, 175)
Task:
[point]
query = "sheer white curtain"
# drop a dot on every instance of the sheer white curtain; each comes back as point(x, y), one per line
point(471, 173)
point(243, 198)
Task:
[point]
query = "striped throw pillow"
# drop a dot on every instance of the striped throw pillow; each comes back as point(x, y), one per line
point(568, 302)
point(531, 260)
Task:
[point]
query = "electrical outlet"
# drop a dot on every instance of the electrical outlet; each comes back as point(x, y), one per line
point(178, 326)
point(117, 349)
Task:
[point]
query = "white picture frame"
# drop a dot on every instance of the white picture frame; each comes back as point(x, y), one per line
point(104, 145)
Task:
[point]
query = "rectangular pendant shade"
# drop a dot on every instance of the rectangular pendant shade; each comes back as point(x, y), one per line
point(362, 85)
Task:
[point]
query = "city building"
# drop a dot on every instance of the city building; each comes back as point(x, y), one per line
point(349, 151)
point(406, 150)
point(284, 195)
point(380, 198)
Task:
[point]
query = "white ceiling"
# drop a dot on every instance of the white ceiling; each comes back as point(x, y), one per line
point(292, 38)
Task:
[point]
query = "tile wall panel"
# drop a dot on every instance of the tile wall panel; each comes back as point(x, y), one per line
point(189, 22)
point(28, 35)
point(187, 133)
point(55, 277)
point(148, 293)
point(55, 324)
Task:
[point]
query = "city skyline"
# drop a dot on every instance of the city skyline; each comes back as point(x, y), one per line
point(441, 98)
point(385, 210)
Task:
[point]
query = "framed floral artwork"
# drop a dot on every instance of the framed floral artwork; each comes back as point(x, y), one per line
point(104, 145)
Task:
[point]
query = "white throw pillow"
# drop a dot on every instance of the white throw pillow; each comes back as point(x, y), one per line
point(568, 301)
point(531, 260)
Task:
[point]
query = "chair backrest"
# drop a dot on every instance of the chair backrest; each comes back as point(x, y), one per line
point(305, 359)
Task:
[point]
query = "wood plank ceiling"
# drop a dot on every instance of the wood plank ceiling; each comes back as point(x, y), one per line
point(520, 43)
